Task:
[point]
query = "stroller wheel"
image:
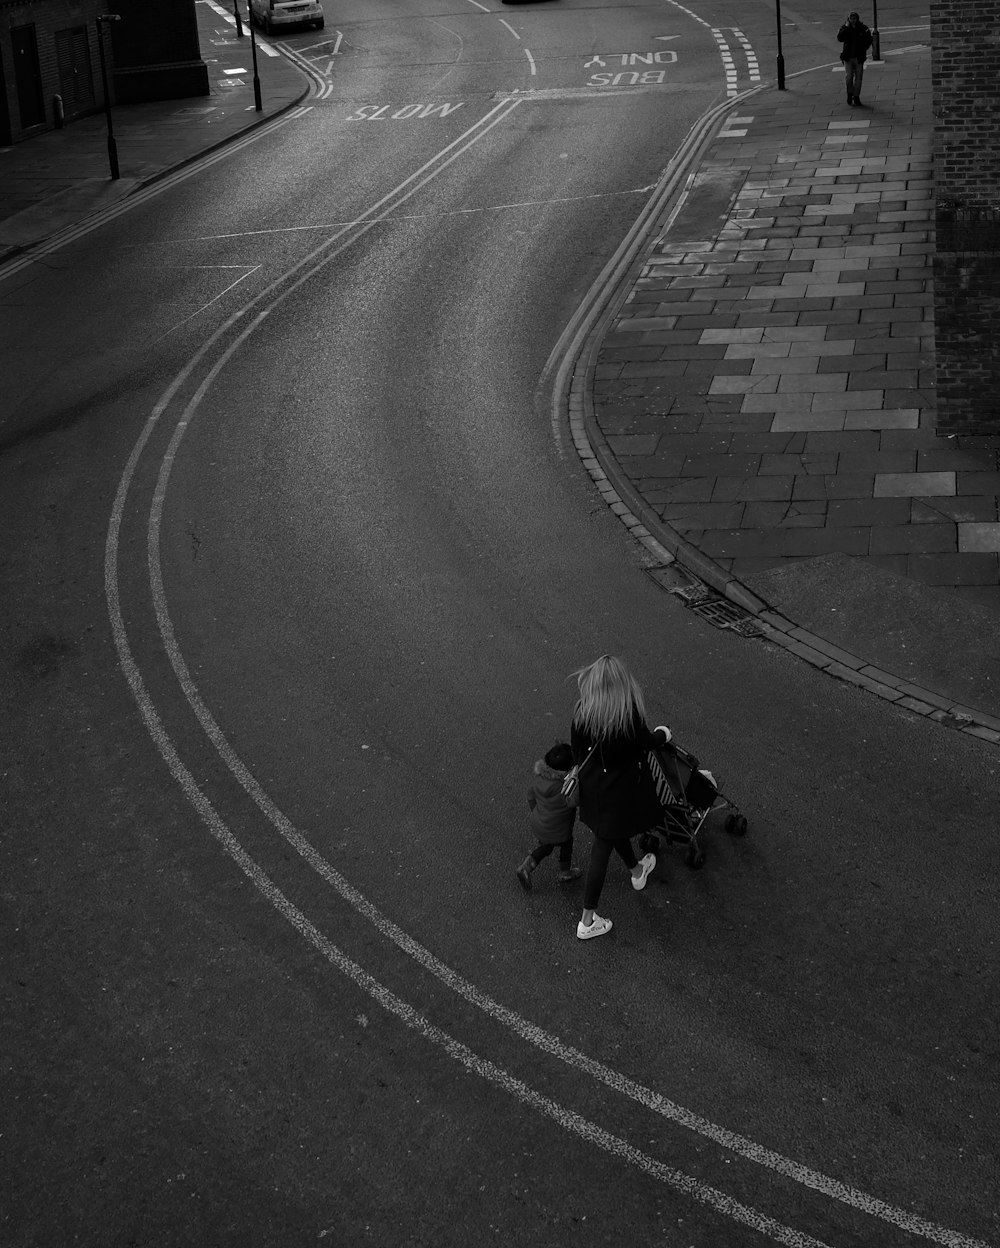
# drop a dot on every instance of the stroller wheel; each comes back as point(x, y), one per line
point(648, 843)
point(696, 858)
point(736, 824)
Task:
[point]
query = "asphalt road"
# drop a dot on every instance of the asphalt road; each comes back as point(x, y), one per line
point(300, 564)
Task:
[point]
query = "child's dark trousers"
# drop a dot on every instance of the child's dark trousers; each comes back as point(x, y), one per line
point(565, 852)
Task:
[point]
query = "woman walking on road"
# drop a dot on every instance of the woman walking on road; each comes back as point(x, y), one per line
point(610, 740)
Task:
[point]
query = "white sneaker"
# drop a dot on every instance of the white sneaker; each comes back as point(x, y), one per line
point(597, 928)
point(647, 864)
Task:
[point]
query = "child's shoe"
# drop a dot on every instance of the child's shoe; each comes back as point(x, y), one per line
point(569, 873)
point(524, 873)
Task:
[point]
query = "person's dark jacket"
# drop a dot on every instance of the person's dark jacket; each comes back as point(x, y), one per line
point(856, 40)
point(551, 818)
point(617, 793)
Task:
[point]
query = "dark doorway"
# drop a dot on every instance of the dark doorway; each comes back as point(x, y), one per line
point(76, 83)
point(6, 134)
point(27, 76)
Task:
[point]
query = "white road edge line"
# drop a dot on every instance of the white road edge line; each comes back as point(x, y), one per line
point(568, 1119)
point(319, 257)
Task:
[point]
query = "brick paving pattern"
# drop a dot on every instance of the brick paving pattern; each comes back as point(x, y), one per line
point(769, 390)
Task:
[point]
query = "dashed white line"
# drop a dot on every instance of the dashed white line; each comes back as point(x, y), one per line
point(728, 63)
point(753, 69)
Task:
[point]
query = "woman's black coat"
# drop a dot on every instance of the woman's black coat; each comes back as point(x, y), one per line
point(617, 794)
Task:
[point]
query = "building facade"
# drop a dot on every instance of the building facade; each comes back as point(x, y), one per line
point(965, 37)
point(50, 70)
point(49, 64)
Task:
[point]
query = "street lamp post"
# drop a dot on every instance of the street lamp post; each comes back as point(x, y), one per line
point(256, 77)
point(112, 146)
point(781, 59)
point(876, 50)
point(239, 20)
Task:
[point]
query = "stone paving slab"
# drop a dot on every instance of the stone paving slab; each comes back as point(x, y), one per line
point(804, 310)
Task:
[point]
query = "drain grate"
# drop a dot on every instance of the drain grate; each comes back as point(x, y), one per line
point(719, 612)
point(693, 593)
point(748, 627)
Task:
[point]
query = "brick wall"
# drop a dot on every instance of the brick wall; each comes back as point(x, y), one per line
point(965, 37)
point(49, 18)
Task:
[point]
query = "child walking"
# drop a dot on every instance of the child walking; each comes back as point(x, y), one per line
point(552, 817)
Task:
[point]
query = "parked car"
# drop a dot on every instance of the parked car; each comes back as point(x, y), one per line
point(272, 14)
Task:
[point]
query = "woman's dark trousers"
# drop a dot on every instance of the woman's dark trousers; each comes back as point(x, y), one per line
point(600, 856)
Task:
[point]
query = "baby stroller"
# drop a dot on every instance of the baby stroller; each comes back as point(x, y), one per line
point(687, 796)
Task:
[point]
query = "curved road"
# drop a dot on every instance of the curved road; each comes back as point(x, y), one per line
point(301, 564)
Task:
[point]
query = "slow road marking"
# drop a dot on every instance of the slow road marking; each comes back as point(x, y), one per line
point(404, 112)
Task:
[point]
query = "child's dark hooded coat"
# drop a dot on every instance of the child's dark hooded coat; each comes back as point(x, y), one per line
point(551, 819)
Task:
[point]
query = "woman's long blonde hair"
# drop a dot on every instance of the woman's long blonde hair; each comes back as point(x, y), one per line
point(609, 697)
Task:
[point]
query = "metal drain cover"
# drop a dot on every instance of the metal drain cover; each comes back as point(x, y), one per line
point(748, 627)
point(693, 593)
point(719, 612)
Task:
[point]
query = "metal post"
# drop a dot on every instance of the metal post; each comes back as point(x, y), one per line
point(781, 59)
point(256, 78)
point(876, 51)
point(112, 146)
point(239, 20)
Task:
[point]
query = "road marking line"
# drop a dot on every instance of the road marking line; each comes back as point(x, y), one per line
point(568, 1119)
point(323, 43)
point(587, 1131)
point(531, 62)
point(693, 16)
point(653, 1101)
point(231, 19)
point(232, 285)
point(94, 222)
point(504, 22)
point(403, 216)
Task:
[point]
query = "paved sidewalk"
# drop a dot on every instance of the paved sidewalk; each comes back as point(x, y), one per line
point(58, 179)
point(764, 397)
